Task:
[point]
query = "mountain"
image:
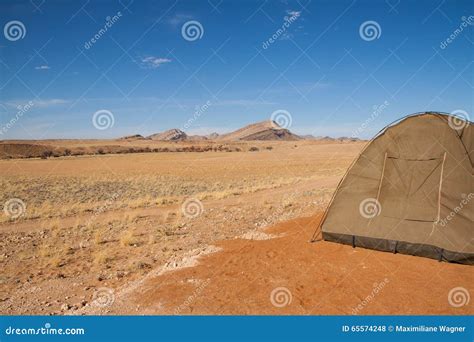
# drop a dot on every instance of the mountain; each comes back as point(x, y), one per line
point(213, 136)
point(169, 135)
point(312, 137)
point(326, 138)
point(133, 137)
point(265, 130)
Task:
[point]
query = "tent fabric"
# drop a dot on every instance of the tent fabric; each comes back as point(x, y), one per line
point(410, 191)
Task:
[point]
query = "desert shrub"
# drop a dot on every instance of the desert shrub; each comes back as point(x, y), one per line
point(254, 149)
point(46, 154)
point(269, 148)
point(100, 151)
point(67, 152)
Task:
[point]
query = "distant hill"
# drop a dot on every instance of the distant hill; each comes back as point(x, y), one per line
point(170, 135)
point(327, 138)
point(133, 137)
point(265, 130)
point(213, 136)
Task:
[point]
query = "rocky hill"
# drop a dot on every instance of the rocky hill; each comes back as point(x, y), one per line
point(265, 130)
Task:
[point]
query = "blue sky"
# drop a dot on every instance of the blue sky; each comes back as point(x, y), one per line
point(321, 67)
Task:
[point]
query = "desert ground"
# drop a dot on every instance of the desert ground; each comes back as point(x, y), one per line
point(220, 231)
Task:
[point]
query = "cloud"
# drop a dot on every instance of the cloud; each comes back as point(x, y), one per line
point(154, 62)
point(14, 104)
point(292, 13)
point(49, 102)
point(286, 36)
point(178, 19)
point(42, 67)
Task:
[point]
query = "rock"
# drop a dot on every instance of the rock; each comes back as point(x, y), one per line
point(65, 307)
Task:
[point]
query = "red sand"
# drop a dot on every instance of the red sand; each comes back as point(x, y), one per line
point(320, 278)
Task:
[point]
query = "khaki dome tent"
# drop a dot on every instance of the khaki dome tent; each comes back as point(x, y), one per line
point(410, 191)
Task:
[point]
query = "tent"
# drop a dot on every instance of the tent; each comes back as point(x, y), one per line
point(410, 191)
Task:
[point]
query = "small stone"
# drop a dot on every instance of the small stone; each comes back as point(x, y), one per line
point(65, 307)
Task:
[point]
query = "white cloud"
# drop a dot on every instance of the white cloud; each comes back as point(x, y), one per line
point(14, 104)
point(42, 67)
point(154, 62)
point(49, 102)
point(179, 18)
point(292, 13)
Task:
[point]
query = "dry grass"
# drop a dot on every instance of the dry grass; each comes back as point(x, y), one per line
point(114, 218)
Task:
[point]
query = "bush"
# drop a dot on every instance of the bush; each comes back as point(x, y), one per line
point(269, 148)
point(254, 149)
point(46, 154)
point(67, 152)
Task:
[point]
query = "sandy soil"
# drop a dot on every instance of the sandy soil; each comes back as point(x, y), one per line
point(289, 275)
point(107, 235)
point(95, 225)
